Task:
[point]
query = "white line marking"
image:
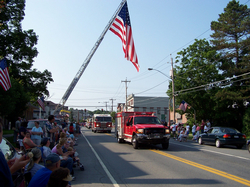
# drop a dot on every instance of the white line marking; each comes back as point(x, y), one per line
point(102, 164)
point(213, 151)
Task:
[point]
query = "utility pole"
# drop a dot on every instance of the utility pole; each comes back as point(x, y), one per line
point(126, 81)
point(106, 104)
point(112, 104)
point(173, 87)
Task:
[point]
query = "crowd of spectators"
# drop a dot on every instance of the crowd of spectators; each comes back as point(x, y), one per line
point(181, 131)
point(49, 155)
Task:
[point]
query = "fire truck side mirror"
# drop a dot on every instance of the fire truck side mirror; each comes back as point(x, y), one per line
point(127, 123)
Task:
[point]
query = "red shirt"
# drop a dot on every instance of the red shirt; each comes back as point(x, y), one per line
point(71, 129)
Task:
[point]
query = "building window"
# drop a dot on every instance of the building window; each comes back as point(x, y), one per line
point(158, 110)
point(166, 110)
point(151, 109)
point(144, 109)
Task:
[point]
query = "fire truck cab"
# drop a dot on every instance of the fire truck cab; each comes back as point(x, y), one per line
point(101, 123)
point(141, 128)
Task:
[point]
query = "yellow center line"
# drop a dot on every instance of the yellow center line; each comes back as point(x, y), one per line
point(206, 168)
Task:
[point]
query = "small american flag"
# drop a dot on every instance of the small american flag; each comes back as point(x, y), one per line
point(4, 75)
point(122, 28)
point(41, 102)
point(183, 106)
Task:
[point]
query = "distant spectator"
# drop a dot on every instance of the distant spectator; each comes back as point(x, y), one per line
point(27, 142)
point(33, 166)
point(197, 129)
point(187, 129)
point(205, 128)
point(41, 178)
point(71, 128)
point(174, 130)
point(16, 129)
point(202, 126)
point(50, 130)
point(36, 133)
point(193, 129)
point(59, 178)
point(22, 132)
point(208, 124)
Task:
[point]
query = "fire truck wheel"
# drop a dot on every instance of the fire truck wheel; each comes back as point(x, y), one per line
point(94, 131)
point(165, 145)
point(135, 142)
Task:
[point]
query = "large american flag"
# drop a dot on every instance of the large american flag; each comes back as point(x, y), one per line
point(122, 28)
point(41, 102)
point(4, 75)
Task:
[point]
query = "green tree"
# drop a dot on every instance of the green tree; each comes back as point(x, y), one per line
point(197, 67)
point(113, 116)
point(231, 38)
point(18, 47)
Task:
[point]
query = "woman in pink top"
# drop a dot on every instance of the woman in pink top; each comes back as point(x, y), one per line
point(58, 148)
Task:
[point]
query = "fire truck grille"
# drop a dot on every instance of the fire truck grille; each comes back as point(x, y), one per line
point(153, 131)
point(103, 125)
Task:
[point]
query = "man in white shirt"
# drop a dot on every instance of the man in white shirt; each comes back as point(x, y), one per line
point(174, 130)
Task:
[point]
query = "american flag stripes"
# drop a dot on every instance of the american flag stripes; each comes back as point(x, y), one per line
point(4, 75)
point(183, 106)
point(41, 102)
point(122, 28)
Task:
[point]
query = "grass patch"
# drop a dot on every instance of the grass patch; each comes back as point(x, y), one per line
point(8, 131)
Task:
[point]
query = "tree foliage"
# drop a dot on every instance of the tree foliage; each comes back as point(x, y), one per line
point(231, 38)
point(18, 47)
point(197, 67)
point(226, 59)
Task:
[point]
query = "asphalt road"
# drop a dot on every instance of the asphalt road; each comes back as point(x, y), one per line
point(108, 164)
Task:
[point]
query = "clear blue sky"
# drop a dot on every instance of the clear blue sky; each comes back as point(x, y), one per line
point(68, 30)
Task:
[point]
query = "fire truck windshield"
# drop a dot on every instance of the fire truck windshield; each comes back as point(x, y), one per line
point(107, 119)
point(146, 120)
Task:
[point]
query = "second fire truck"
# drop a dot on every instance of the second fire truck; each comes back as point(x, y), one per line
point(101, 123)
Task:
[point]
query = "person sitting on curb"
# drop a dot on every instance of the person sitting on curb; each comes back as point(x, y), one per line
point(66, 162)
point(33, 166)
point(41, 178)
point(182, 134)
point(27, 142)
point(60, 177)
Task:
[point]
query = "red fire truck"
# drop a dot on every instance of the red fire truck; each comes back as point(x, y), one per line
point(101, 123)
point(141, 128)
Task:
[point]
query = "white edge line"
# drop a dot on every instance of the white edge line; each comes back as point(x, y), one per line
point(102, 164)
point(213, 151)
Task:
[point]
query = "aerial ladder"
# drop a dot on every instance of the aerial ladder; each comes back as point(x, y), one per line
point(86, 62)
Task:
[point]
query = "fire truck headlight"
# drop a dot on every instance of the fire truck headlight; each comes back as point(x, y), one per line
point(97, 125)
point(139, 131)
point(167, 131)
point(109, 125)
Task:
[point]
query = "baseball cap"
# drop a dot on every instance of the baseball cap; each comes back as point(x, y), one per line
point(52, 158)
point(68, 178)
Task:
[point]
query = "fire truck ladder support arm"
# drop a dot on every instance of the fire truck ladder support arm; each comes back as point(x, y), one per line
point(87, 60)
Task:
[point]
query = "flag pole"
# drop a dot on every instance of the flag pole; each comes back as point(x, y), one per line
point(40, 111)
point(87, 60)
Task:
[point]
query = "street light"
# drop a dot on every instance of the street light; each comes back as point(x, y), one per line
point(172, 84)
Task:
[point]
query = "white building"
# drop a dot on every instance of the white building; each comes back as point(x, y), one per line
point(159, 105)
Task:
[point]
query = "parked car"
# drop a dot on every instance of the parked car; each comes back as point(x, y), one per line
point(248, 145)
point(8, 150)
point(31, 123)
point(223, 136)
